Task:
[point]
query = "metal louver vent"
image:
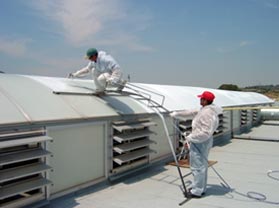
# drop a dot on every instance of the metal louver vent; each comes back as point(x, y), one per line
point(23, 167)
point(130, 144)
point(223, 121)
point(243, 117)
point(256, 115)
point(186, 126)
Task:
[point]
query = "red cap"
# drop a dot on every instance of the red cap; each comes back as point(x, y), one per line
point(207, 96)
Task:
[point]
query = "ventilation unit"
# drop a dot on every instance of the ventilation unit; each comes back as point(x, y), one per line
point(255, 116)
point(243, 117)
point(23, 167)
point(186, 126)
point(223, 122)
point(130, 144)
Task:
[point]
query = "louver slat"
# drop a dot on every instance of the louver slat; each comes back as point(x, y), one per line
point(22, 156)
point(23, 171)
point(29, 140)
point(131, 156)
point(22, 187)
point(131, 146)
point(183, 126)
point(133, 135)
point(121, 128)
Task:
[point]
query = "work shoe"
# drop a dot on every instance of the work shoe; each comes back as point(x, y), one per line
point(193, 195)
point(121, 85)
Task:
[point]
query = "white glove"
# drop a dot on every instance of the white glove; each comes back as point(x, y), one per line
point(71, 75)
point(186, 133)
point(186, 136)
point(187, 140)
point(186, 143)
point(111, 81)
point(173, 114)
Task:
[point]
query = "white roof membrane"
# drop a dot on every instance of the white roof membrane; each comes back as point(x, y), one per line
point(35, 99)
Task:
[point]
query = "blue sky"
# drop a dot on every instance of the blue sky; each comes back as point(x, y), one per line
point(179, 42)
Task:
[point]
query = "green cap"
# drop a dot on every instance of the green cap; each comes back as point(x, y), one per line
point(91, 52)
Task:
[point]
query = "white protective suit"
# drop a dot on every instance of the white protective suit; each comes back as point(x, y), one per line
point(104, 71)
point(204, 125)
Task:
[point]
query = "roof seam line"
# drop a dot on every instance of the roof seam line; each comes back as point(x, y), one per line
point(13, 101)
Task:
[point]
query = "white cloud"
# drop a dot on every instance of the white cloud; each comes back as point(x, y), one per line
point(127, 40)
point(13, 47)
point(222, 50)
point(86, 21)
point(274, 4)
point(60, 67)
point(245, 43)
point(235, 47)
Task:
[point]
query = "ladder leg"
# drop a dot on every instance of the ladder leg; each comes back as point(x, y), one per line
point(185, 192)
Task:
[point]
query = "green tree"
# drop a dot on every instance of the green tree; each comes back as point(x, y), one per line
point(231, 87)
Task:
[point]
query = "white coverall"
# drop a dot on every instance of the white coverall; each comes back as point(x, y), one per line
point(104, 71)
point(204, 125)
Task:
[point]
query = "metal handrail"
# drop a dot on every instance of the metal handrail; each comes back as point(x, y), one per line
point(144, 89)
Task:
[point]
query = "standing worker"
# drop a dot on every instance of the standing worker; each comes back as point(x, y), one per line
point(105, 70)
point(204, 124)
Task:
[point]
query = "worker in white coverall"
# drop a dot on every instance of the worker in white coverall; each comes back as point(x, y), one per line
point(204, 124)
point(105, 70)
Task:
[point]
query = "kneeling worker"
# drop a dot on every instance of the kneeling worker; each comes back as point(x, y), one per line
point(105, 70)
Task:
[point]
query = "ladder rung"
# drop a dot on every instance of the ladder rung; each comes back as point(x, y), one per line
point(142, 98)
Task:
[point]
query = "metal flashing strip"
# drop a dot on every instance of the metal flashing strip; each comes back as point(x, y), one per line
point(13, 101)
point(74, 93)
point(22, 133)
point(259, 107)
point(257, 138)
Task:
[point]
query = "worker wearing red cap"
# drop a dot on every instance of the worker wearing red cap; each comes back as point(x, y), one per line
point(204, 124)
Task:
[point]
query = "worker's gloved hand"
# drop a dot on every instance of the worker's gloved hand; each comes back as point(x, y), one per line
point(187, 140)
point(173, 114)
point(186, 136)
point(186, 133)
point(186, 143)
point(71, 75)
point(111, 81)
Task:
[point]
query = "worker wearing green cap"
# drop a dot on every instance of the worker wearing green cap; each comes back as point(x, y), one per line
point(105, 70)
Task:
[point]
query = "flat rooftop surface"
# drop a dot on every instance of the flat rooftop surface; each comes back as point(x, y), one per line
point(243, 165)
point(267, 131)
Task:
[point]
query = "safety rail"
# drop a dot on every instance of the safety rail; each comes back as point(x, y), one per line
point(144, 91)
